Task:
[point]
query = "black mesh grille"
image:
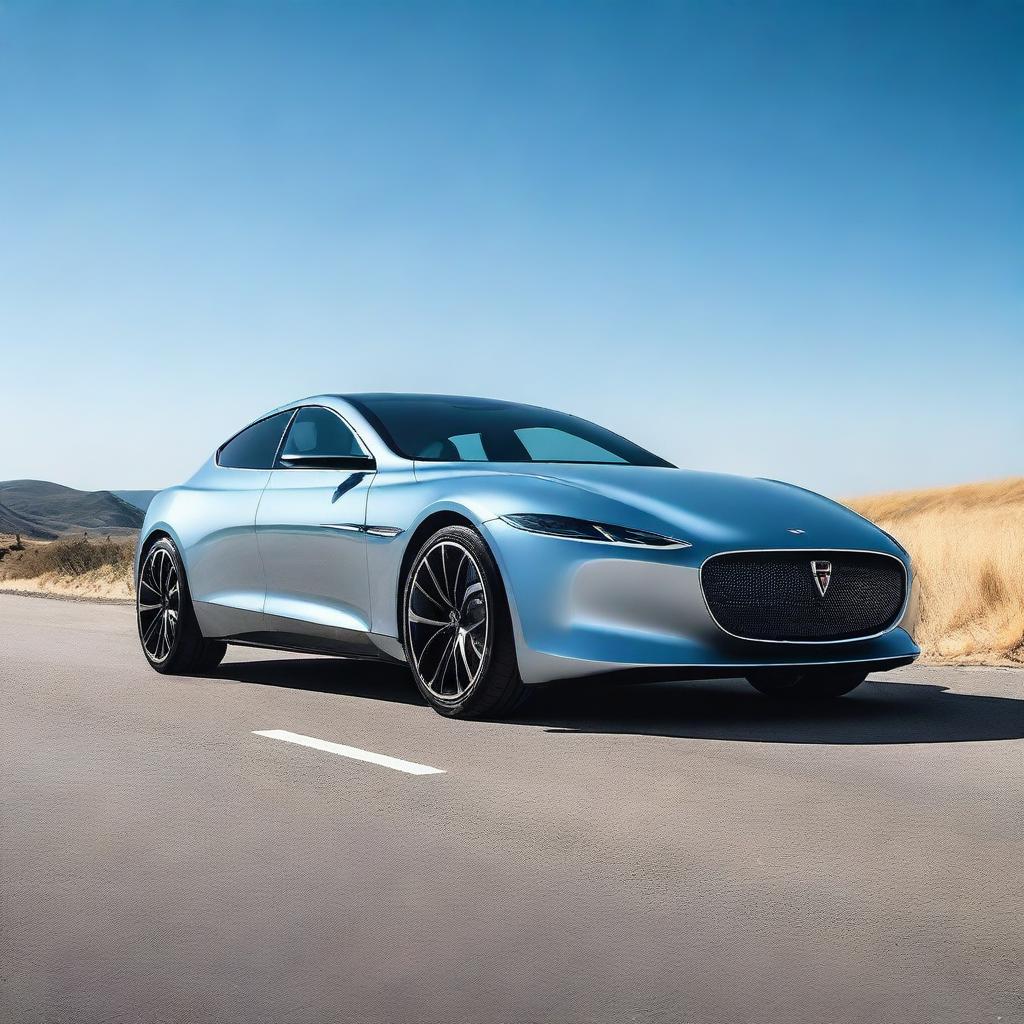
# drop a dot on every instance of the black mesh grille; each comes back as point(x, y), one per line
point(773, 595)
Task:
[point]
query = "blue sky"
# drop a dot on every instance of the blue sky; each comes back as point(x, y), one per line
point(781, 239)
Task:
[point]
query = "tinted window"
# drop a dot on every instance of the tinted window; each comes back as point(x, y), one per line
point(316, 431)
point(256, 446)
point(450, 429)
point(549, 444)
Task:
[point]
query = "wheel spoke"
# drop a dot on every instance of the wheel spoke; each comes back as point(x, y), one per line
point(453, 669)
point(455, 579)
point(430, 642)
point(444, 571)
point(442, 664)
point(430, 597)
point(421, 620)
point(149, 632)
point(440, 590)
point(465, 660)
point(456, 688)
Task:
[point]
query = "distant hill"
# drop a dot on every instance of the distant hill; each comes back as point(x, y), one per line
point(41, 510)
point(11, 522)
point(140, 499)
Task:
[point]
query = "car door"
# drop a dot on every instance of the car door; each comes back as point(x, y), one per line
point(309, 527)
point(225, 575)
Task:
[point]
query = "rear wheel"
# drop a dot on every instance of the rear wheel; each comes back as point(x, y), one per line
point(807, 685)
point(458, 631)
point(171, 638)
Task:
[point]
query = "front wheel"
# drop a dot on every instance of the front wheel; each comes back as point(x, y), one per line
point(171, 638)
point(806, 685)
point(457, 628)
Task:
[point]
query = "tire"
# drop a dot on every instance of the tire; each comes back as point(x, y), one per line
point(169, 633)
point(810, 685)
point(453, 594)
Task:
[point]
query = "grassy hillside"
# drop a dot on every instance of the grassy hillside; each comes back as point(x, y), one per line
point(967, 544)
point(13, 523)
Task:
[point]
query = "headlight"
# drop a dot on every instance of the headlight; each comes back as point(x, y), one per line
point(583, 529)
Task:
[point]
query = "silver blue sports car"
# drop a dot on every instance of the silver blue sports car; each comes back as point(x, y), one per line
point(493, 546)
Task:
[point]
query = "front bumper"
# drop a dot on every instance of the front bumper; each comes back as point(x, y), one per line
point(583, 609)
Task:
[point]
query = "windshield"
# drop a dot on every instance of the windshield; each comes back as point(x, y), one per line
point(442, 428)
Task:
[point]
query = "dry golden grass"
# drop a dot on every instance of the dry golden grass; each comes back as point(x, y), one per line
point(73, 566)
point(967, 544)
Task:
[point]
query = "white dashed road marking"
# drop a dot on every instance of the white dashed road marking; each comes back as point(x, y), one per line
point(409, 767)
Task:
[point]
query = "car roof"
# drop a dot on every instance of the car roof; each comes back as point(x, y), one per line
point(406, 396)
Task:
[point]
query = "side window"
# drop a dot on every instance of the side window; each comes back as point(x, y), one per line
point(256, 446)
point(549, 444)
point(317, 431)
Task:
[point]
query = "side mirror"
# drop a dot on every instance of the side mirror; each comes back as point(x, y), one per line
point(367, 463)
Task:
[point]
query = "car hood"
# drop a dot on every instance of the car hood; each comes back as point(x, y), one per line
point(711, 510)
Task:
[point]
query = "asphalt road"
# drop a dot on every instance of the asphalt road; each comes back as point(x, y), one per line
point(667, 853)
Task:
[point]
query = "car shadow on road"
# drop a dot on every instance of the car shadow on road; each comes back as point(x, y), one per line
point(346, 677)
point(878, 712)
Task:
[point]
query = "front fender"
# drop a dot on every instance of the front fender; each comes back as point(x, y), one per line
point(397, 501)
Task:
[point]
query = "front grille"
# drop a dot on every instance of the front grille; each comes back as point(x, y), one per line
point(773, 595)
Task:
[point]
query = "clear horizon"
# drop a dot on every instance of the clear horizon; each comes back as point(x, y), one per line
point(781, 240)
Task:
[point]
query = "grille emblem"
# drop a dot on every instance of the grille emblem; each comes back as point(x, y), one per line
point(822, 573)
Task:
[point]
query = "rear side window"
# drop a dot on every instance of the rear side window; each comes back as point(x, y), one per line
point(317, 431)
point(256, 446)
